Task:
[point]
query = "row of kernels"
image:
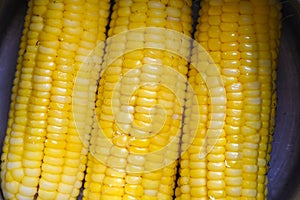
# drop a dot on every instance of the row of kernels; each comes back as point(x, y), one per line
point(251, 107)
point(193, 138)
point(265, 70)
point(147, 97)
point(173, 90)
point(57, 125)
point(97, 31)
point(179, 16)
point(195, 146)
point(94, 178)
point(215, 165)
point(87, 72)
point(229, 58)
point(130, 65)
point(167, 181)
point(119, 160)
point(38, 118)
point(66, 189)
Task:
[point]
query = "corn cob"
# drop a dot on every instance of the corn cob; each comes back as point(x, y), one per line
point(11, 166)
point(220, 163)
point(14, 95)
point(138, 91)
point(234, 168)
point(52, 157)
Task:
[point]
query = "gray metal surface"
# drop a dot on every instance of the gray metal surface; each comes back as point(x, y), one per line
point(284, 174)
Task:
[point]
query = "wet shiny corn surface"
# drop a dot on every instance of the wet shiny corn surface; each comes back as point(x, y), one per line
point(57, 40)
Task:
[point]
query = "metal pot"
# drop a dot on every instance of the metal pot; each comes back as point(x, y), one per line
point(284, 173)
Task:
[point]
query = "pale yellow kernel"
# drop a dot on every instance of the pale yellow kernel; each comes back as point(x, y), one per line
point(173, 12)
point(131, 179)
point(35, 155)
point(198, 192)
point(158, 22)
point(123, 117)
point(230, 17)
point(250, 168)
point(214, 175)
point(114, 181)
point(231, 155)
point(51, 169)
point(118, 152)
point(198, 173)
point(216, 193)
point(249, 192)
point(150, 184)
point(230, 64)
point(156, 5)
point(156, 13)
point(233, 181)
point(250, 153)
point(234, 192)
point(231, 172)
point(112, 196)
point(116, 162)
point(51, 186)
point(235, 96)
point(196, 182)
point(215, 157)
point(248, 47)
point(135, 190)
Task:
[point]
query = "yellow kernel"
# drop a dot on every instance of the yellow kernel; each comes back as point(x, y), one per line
point(230, 46)
point(214, 20)
point(196, 182)
point(213, 31)
point(198, 192)
point(135, 190)
point(215, 10)
point(215, 175)
point(229, 17)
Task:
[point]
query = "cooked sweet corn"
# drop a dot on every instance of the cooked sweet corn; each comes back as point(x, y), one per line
point(44, 157)
point(124, 132)
point(235, 33)
point(139, 103)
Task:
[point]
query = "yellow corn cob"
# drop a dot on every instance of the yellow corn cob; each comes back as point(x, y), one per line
point(139, 94)
point(14, 94)
point(140, 101)
point(12, 166)
point(233, 32)
point(45, 157)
